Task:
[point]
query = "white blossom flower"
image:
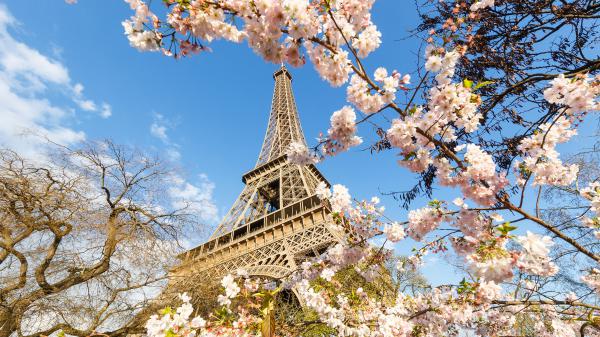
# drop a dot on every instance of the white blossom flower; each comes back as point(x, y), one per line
point(297, 153)
point(394, 232)
point(481, 4)
point(323, 191)
point(340, 198)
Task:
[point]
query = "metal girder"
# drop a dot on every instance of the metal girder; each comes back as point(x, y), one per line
point(295, 182)
point(276, 221)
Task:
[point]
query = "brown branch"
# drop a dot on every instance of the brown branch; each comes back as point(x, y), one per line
point(550, 228)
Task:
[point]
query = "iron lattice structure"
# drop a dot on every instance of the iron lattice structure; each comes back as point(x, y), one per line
point(277, 220)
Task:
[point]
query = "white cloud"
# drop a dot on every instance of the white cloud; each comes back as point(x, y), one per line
point(173, 154)
point(159, 131)
point(19, 59)
point(26, 78)
point(78, 89)
point(195, 198)
point(159, 127)
point(85, 104)
point(29, 78)
point(106, 110)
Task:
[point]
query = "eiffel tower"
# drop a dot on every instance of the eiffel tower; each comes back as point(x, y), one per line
point(277, 221)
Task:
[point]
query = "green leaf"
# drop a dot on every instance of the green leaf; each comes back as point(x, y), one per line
point(506, 228)
point(467, 83)
point(412, 110)
point(61, 334)
point(483, 84)
point(435, 203)
point(166, 311)
point(464, 287)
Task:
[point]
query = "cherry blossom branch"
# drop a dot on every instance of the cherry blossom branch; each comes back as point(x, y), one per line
point(551, 228)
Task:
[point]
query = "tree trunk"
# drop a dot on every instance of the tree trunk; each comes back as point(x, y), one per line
point(7, 323)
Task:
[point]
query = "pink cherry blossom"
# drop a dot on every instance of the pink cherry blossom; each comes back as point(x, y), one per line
point(534, 257)
point(422, 221)
point(394, 232)
point(342, 133)
point(297, 153)
point(481, 4)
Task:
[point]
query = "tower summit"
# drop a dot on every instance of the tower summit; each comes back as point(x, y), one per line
point(284, 124)
point(277, 220)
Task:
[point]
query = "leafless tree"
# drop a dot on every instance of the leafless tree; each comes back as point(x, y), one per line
point(86, 240)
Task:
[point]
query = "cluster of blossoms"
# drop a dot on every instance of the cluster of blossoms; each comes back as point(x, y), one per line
point(276, 30)
point(334, 68)
point(491, 261)
point(139, 37)
point(481, 4)
point(231, 291)
point(367, 41)
point(534, 257)
point(443, 62)
point(481, 169)
point(541, 158)
point(592, 193)
point(453, 103)
point(226, 321)
point(178, 323)
point(394, 232)
point(451, 107)
point(342, 131)
point(424, 220)
point(472, 223)
point(593, 279)
point(578, 96)
point(363, 97)
point(369, 99)
point(297, 153)
point(488, 291)
point(340, 199)
point(323, 191)
point(485, 253)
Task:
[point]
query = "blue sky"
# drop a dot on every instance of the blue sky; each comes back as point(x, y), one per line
point(207, 113)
